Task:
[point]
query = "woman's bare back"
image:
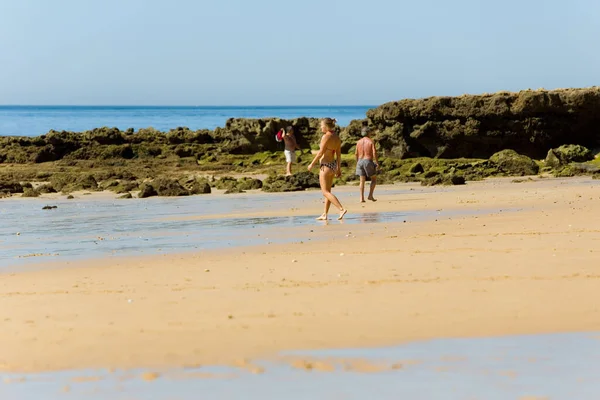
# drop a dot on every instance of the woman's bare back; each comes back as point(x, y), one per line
point(330, 144)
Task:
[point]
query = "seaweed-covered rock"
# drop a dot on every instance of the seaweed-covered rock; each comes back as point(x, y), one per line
point(46, 188)
point(530, 122)
point(306, 179)
point(125, 187)
point(281, 185)
point(416, 168)
point(147, 190)
point(512, 163)
point(30, 192)
point(249, 184)
point(552, 160)
point(169, 187)
point(11, 187)
point(225, 183)
point(234, 190)
point(126, 196)
point(446, 179)
point(86, 181)
point(296, 182)
point(566, 154)
point(197, 186)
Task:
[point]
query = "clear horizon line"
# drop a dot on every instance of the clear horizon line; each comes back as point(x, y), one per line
point(188, 105)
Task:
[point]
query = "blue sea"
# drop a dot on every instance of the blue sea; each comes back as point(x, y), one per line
point(38, 120)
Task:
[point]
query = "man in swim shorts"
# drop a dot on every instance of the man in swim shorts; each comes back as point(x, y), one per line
point(366, 163)
point(290, 149)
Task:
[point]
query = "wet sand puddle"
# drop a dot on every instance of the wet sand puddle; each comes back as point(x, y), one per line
point(555, 366)
point(98, 228)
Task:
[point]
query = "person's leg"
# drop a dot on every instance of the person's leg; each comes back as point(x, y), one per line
point(323, 183)
point(372, 188)
point(328, 175)
point(363, 179)
point(288, 170)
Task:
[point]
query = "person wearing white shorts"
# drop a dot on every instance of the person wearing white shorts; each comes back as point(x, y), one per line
point(290, 149)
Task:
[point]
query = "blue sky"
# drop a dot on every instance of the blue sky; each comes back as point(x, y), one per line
point(267, 52)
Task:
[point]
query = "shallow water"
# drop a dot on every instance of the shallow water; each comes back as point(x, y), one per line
point(556, 366)
point(104, 227)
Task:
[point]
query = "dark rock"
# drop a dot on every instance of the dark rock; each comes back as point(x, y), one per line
point(70, 197)
point(86, 181)
point(125, 187)
point(305, 179)
point(416, 168)
point(431, 174)
point(249, 184)
point(49, 207)
point(552, 160)
point(234, 190)
point(29, 192)
point(126, 196)
point(296, 182)
point(11, 187)
point(147, 190)
point(529, 122)
point(46, 188)
point(46, 154)
point(225, 182)
point(199, 187)
point(586, 168)
point(566, 154)
point(447, 179)
point(512, 163)
point(169, 187)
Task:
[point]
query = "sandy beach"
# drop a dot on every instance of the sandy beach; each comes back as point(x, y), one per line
point(531, 266)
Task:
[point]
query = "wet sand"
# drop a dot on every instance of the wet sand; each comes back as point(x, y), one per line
point(532, 268)
point(510, 367)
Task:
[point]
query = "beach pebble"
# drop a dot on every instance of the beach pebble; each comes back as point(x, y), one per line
point(130, 301)
point(341, 254)
point(294, 261)
point(207, 270)
point(18, 233)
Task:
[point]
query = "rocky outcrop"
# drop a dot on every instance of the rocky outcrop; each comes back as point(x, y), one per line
point(7, 188)
point(567, 154)
point(297, 182)
point(239, 136)
point(530, 122)
point(512, 163)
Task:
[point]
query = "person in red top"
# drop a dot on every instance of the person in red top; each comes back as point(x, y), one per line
point(290, 149)
point(366, 163)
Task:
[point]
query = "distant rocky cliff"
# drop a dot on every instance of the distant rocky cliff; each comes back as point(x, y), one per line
point(530, 122)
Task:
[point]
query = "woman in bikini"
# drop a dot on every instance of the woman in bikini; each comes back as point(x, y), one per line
point(329, 157)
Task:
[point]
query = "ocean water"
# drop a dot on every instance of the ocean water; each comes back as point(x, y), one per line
point(38, 120)
point(535, 367)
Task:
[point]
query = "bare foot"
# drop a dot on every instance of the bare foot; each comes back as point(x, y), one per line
point(363, 201)
point(342, 213)
point(323, 217)
point(372, 199)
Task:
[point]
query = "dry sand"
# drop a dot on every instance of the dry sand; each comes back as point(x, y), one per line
point(530, 271)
